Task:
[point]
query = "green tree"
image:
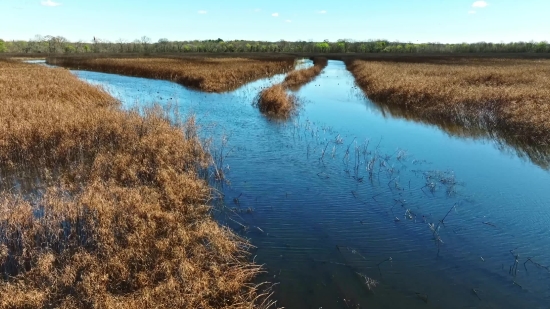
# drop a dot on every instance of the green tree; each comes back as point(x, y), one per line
point(2, 46)
point(70, 49)
point(540, 47)
point(380, 46)
point(323, 47)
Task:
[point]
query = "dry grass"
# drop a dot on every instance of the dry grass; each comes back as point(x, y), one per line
point(120, 220)
point(507, 96)
point(276, 102)
point(297, 78)
point(205, 74)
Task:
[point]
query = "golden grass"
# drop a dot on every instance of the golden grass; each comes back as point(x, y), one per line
point(121, 219)
point(506, 96)
point(297, 78)
point(205, 74)
point(276, 102)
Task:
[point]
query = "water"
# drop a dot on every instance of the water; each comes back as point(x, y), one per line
point(303, 193)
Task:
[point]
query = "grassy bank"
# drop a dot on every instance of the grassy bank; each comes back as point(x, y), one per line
point(118, 218)
point(297, 78)
point(507, 96)
point(214, 74)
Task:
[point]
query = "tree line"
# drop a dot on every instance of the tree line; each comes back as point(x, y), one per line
point(60, 45)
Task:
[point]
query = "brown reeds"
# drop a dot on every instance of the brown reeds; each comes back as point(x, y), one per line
point(297, 78)
point(276, 102)
point(506, 96)
point(205, 74)
point(120, 220)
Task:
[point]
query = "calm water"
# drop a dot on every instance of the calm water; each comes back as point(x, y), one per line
point(331, 195)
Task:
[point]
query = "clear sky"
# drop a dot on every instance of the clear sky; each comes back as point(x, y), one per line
point(445, 21)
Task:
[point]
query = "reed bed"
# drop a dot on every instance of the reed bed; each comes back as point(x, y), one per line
point(206, 74)
point(121, 219)
point(276, 102)
point(506, 96)
point(297, 78)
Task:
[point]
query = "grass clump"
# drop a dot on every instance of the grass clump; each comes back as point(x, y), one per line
point(118, 217)
point(297, 78)
point(276, 102)
point(205, 74)
point(506, 96)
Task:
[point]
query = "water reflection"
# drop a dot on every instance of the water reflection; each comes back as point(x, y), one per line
point(504, 140)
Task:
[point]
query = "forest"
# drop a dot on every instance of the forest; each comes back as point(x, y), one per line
point(60, 45)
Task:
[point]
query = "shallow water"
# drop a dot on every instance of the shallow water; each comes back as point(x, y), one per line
point(303, 192)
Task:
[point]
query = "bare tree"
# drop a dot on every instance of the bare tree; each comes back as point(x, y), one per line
point(145, 41)
point(121, 42)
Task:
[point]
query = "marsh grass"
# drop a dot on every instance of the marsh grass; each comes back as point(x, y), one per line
point(297, 78)
point(276, 102)
point(205, 74)
point(122, 219)
point(507, 96)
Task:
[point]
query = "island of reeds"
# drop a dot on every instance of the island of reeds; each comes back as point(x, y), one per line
point(276, 102)
point(297, 78)
point(209, 74)
point(117, 215)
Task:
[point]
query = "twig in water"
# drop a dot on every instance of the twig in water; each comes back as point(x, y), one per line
point(536, 264)
point(369, 282)
point(242, 225)
point(353, 251)
point(424, 297)
point(514, 267)
point(476, 293)
point(384, 261)
point(236, 199)
point(391, 181)
point(346, 156)
point(442, 221)
point(324, 150)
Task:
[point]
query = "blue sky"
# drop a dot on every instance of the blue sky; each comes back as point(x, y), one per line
point(445, 21)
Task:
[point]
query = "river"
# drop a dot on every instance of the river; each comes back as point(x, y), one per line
point(343, 191)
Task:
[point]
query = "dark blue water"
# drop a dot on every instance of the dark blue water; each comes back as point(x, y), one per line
point(329, 196)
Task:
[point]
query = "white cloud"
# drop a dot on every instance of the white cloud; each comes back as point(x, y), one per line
point(480, 4)
point(202, 12)
point(288, 21)
point(322, 12)
point(471, 12)
point(50, 3)
point(257, 10)
point(275, 14)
